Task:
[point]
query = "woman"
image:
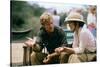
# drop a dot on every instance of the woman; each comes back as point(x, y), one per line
point(84, 44)
point(91, 20)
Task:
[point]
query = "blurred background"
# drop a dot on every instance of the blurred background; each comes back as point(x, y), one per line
point(25, 16)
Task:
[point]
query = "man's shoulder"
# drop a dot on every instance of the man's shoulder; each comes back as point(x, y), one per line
point(59, 30)
point(41, 31)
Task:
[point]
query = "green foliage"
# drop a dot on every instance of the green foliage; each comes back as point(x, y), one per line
point(37, 10)
point(24, 17)
point(20, 13)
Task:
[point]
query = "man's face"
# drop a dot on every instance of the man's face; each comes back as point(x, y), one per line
point(49, 27)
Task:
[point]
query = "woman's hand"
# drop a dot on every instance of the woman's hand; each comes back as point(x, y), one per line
point(64, 49)
point(68, 50)
point(59, 49)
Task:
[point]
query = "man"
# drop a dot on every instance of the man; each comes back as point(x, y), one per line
point(84, 44)
point(50, 37)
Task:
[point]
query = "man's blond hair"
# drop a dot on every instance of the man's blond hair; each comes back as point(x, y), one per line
point(46, 18)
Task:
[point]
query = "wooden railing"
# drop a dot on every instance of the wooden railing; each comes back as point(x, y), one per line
point(27, 55)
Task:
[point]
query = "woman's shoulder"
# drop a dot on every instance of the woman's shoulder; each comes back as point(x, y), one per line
point(86, 32)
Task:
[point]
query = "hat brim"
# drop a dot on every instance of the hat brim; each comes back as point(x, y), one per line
point(67, 21)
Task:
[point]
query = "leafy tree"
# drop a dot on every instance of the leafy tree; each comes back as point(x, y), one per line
point(37, 9)
point(21, 11)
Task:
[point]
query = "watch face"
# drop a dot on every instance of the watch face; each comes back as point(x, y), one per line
point(26, 25)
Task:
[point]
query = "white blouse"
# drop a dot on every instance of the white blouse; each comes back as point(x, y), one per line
point(84, 41)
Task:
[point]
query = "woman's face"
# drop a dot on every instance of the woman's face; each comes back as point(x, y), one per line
point(72, 26)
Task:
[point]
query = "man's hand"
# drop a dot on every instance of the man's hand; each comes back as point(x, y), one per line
point(47, 59)
point(30, 42)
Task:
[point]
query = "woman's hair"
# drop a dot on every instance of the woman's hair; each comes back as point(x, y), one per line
point(80, 23)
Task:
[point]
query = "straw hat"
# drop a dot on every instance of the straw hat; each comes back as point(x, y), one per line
point(74, 16)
